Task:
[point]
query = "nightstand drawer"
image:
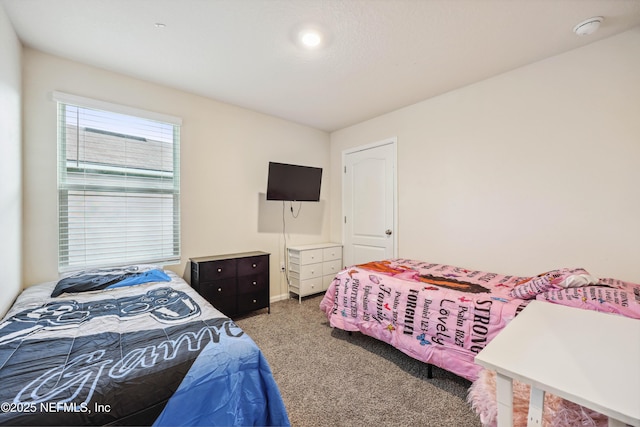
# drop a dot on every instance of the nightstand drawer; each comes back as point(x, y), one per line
point(221, 294)
point(306, 287)
point(250, 302)
point(250, 284)
point(311, 270)
point(215, 270)
point(330, 254)
point(311, 286)
point(331, 267)
point(311, 257)
point(253, 265)
point(225, 288)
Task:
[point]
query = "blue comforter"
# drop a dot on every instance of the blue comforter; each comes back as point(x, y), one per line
point(154, 353)
point(239, 377)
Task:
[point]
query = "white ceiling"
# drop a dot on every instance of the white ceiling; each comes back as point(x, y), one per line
point(381, 55)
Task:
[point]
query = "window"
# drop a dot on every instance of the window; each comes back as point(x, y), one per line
point(118, 185)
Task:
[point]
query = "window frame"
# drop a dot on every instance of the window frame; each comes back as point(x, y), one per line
point(64, 186)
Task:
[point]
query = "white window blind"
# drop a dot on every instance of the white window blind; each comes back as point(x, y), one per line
point(118, 185)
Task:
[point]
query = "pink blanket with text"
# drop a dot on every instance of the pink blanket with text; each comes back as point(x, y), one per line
point(439, 314)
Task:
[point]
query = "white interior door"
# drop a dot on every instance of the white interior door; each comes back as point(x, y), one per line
point(369, 203)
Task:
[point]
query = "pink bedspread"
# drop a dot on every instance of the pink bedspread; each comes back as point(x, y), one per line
point(439, 314)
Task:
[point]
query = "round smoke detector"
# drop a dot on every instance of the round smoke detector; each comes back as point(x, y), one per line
point(588, 26)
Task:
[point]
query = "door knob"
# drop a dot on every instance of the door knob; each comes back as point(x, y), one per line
point(388, 232)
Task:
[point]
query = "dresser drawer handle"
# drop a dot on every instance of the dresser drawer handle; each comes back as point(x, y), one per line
point(219, 270)
point(219, 289)
point(254, 283)
point(253, 265)
point(255, 301)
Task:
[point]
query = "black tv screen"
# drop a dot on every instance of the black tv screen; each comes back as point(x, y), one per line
point(293, 182)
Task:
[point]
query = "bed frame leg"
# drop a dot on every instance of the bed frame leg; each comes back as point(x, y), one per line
point(350, 333)
point(429, 370)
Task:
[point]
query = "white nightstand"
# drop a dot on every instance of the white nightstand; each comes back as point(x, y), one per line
point(311, 268)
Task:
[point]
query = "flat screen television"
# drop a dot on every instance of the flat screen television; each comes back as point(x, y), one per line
point(293, 182)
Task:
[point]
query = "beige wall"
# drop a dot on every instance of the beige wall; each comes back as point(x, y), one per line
point(531, 170)
point(10, 164)
point(527, 171)
point(225, 152)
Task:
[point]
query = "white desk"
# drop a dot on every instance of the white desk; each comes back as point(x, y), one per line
point(587, 357)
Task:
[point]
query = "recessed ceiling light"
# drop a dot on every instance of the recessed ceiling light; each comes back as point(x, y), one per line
point(311, 38)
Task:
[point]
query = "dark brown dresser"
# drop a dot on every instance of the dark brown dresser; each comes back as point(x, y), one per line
point(233, 283)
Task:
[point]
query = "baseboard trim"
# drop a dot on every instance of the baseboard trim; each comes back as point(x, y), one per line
point(280, 297)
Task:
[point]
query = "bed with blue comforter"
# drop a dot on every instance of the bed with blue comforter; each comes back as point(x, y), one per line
point(130, 346)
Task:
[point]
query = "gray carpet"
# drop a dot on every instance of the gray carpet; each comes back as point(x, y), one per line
point(330, 378)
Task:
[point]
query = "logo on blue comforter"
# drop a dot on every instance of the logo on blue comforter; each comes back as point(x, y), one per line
point(163, 304)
